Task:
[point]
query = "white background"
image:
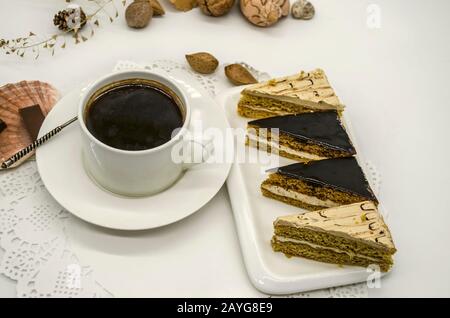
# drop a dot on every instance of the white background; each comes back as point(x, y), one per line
point(393, 79)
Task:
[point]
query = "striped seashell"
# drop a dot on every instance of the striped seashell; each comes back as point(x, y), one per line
point(12, 98)
point(264, 13)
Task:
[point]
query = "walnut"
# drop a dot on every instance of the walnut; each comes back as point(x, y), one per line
point(264, 13)
point(215, 8)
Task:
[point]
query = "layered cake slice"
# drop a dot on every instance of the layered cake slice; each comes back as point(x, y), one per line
point(300, 93)
point(319, 184)
point(304, 137)
point(352, 234)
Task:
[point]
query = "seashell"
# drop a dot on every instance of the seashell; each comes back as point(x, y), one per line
point(264, 13)
point(12, 98)
point(303, 9)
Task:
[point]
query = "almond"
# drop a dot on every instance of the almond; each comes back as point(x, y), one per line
point(239, 75)
point(202, 62)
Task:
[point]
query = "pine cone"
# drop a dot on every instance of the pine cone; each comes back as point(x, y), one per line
point(66, 20)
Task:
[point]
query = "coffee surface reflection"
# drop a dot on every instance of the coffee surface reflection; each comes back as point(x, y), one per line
point(133, 116)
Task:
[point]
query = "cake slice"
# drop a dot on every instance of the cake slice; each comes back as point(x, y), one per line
point(300, 93)
point(303, 137)
point(319, 184)
point(352, 234)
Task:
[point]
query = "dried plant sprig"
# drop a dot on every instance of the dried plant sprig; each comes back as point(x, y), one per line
point(20, 46)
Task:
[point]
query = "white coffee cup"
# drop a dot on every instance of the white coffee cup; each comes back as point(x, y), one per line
point(141, 172)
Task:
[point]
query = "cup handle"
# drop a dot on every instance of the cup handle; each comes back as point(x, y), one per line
point(207, 151)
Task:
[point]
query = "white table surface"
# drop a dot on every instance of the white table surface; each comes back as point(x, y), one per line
point(396, 75)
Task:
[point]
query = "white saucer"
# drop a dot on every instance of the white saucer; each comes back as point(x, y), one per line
point(60, 165)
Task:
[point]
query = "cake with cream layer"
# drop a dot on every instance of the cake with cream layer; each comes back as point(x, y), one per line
point(354, 234)
point(303, 137)
point(300, 93)
point(316, 185)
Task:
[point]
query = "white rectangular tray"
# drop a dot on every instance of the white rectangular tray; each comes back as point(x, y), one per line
point(270, 272)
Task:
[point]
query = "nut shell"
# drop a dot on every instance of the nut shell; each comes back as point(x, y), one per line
point(239, 75)
point(202, 62)
point(215, 8)
point(138, 14)
point(303, 9)
point(285, 6)
point(184, 5)
point(156, 6)
point(264, 13)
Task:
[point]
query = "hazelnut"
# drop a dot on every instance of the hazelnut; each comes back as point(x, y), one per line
point(156, 6)
point(138, 14)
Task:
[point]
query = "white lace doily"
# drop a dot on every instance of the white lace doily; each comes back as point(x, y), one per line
point(32, 224)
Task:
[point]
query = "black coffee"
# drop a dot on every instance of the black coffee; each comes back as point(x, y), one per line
point(133, 116)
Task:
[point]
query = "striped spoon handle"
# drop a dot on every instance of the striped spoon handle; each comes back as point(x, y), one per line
point(26, 152)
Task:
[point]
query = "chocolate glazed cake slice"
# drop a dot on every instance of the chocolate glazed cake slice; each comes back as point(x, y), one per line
point(303, 137)
point(352, 234)
point(319, 184)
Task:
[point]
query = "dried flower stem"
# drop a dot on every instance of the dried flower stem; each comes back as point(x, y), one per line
point(19, 46)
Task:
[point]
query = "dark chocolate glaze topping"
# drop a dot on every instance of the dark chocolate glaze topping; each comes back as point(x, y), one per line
point(343, 174)
point(322, 128)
